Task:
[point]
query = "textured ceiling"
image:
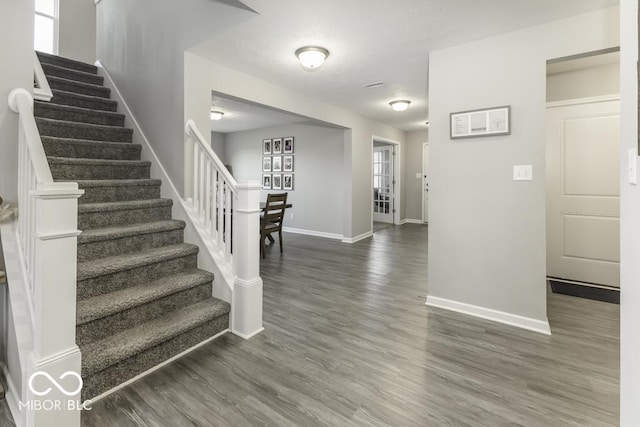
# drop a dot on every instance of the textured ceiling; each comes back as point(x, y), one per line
point(371, 41)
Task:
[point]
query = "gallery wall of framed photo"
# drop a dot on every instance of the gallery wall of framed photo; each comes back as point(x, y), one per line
point(278, 163)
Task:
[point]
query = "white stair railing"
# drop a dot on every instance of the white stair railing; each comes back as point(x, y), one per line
point(41, 89)
point(227, 216)
point(47, 239)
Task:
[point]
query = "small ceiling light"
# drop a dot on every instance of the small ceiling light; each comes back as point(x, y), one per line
point(400, 105)
point(312, 57)
point(216, 115)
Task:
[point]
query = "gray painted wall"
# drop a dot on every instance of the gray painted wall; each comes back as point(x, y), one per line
point(317, 195)
point(487, 232)
point(142, 43)
point(16, 49)
point(629, 222)
point(413, 165)
point(218, 145)
point(586, 83)
point(77, 36)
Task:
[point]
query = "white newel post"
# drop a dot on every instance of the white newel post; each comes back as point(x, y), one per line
point(246, 306)
point(55, 354)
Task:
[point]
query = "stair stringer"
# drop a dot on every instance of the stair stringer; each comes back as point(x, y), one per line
point(208, 258)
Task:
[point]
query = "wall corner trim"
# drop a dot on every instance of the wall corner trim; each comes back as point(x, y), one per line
point(528, 323)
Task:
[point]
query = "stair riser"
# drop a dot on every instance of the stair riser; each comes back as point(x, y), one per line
point(73, 131)
point(102, 328)
point(70, 74)
point(63, 62)
point(52, 111)
point(91, 150)
point(93, 104)
point(123, 279)
point(120, 194)
point(70, 86)
point(131, 216)
point(67, 172)
point(105, 380)
point(126, 245)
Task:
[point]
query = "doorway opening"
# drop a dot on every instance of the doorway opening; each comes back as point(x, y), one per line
point(582, 175)
point(385, 187)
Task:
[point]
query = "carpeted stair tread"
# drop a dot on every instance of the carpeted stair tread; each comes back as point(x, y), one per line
point(87, 131)
point(71, 74)
point(48, 58)
point(123, 206)
point(87, 149)
point(99, 355)
point(107, 304)
point(110, 233)
point(59, 83)
point(114, 264)
point(51, 110)
point(69, 168)
point(117, 182)
point(85, 101)
point(96, 162)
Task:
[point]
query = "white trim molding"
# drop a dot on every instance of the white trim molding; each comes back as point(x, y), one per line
point(579, 101)
point(357, 238)
point(313, 233)
point(412, 221)
point(540, 326)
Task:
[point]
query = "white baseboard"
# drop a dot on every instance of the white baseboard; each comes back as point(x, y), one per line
point(155, 368)
point(528, 323)
point(11, 398)
point(313, 233)
point(412, 221)
point(357, 238)
point(249, 336)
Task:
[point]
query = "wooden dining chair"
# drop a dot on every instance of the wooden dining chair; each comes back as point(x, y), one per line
point(272, 219)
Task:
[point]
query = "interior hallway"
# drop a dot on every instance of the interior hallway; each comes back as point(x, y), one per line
point(350, 342)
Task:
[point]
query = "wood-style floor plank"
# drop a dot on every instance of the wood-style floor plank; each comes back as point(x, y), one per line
point(350, 342)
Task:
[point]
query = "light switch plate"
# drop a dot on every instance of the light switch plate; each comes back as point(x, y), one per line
point(522, 172)
point(632, 166)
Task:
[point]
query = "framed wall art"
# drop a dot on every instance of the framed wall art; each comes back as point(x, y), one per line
point(276, 164)
point(266, 164)
point(266, 146)
point(287, 163)
point(276, 144)
point(266, 182)
point(276, 182)
point(287, 183)
point(288, 145)
point(485, 122)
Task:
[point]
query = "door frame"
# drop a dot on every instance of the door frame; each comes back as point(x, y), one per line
point(397, 177)
point(425, 146)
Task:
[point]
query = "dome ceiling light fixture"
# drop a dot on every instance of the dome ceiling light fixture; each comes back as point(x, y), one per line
point(216, 115)
point(400, 105)
point(312, 57)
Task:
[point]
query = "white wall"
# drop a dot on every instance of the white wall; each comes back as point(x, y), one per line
point(412, 190)
point(141, 43)
point(77, 36)
point(487, 232)
point(203, 76)
point(585, 83)
point(218, 145)
point(317, 195)
point(629, 222)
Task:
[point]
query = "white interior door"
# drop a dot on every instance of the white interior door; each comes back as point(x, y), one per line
point(583, 192)
point(425, 182)
point(383, 184)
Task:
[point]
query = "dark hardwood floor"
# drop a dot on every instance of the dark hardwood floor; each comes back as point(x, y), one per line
point(350, 342)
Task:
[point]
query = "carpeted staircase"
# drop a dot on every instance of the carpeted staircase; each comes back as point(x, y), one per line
point(141, 298)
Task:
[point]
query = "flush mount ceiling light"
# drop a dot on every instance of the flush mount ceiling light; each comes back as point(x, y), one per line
point(400, 105)
point(216, 115)
point(312, 57)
